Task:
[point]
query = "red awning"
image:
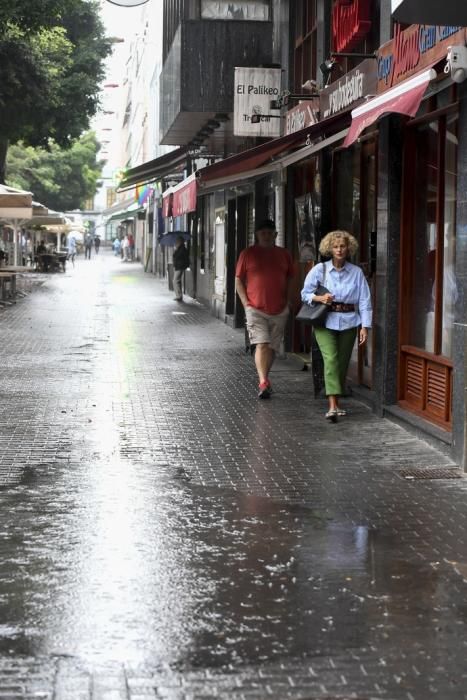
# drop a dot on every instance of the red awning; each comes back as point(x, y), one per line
point(253, 158)
point(402, 99)
point(167, 198)
point(184, 196)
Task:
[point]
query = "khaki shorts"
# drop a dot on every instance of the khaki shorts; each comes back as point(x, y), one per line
point(266, 328)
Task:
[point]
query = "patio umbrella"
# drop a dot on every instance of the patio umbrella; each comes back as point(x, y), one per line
point(169, 239)
point(15, 209)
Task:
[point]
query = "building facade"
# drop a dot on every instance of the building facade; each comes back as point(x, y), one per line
point(371, 139)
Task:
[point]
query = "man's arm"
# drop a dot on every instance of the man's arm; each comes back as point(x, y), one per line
point(241, 291)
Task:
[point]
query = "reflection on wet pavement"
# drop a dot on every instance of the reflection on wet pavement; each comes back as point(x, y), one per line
point(153, 514)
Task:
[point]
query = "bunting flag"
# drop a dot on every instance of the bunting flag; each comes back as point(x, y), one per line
point(142, 193)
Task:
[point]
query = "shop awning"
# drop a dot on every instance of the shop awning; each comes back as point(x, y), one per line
point(433, 12)
point(128, 213)
point(283, 153)
point(402, 99)
point(154, 169)
point(180, 199)
point(230, 170)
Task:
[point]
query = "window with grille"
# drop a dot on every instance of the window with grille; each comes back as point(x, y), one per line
point(305, 31)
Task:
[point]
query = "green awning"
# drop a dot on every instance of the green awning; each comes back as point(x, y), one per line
point(128, 213)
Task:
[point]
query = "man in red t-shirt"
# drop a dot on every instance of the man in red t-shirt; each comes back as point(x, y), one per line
point(263, 280)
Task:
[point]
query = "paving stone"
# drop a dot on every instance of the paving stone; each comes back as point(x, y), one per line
point(165, 535)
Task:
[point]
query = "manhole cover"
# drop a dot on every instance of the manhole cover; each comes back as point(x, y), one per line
point(430, 473)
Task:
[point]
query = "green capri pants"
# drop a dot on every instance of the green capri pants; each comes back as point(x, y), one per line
point(336, 348)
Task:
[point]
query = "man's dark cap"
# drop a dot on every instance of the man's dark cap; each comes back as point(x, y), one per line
point(266, 223)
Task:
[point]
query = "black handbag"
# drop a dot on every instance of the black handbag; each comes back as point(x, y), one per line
point(315, 313)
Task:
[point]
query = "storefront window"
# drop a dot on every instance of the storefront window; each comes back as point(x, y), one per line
point(433, 242)
point(241, 10)
point(347, 191)
point(424, 239)
point(450, 292)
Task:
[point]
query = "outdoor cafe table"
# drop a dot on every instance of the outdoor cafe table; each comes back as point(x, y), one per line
point(7, 277)
point(51, 261)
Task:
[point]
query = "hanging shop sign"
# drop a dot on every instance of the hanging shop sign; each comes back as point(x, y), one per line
point(413, 49)
point(351, 22)
point(350, 90)
point(303, 115)
point(255, 88)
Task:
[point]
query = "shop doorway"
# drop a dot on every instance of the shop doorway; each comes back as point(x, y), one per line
point(428, 291)
point(354, 200)
point(239, 223)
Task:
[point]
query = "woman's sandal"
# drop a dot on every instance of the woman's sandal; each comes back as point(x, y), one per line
point(332, 415)
point(341, 412)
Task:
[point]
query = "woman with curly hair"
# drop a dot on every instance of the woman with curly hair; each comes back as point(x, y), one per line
point(350, 311)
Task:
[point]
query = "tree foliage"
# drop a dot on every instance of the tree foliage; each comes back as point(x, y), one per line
point(62, 179)
point(52, 56)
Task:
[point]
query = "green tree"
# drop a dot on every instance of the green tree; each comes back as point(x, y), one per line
point(50, 72)
point(61, 178)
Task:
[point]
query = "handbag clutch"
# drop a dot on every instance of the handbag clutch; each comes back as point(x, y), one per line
point(315, 313)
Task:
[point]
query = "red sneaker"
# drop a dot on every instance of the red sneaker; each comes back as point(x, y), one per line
point(264, 390)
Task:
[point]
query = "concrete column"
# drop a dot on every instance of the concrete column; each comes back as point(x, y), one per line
point(279, 194)
point(459, 428)
point(386, 317)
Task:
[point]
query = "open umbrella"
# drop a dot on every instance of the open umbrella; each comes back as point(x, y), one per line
point(169, 239)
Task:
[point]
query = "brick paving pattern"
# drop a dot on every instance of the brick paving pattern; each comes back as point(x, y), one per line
point(166, 535)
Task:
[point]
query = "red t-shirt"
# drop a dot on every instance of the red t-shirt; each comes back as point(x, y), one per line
point(265, 271)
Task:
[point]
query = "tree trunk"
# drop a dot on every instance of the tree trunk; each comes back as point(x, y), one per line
point(3, 153)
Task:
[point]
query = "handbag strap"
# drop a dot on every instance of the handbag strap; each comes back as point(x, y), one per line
point(324, 274)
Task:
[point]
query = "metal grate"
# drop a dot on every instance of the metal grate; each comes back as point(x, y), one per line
point(430, 473)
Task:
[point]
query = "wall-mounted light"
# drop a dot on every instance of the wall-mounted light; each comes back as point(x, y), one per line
point(326, 70)
point(127, 3)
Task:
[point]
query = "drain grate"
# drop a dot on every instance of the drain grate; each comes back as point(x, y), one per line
point(430, 473)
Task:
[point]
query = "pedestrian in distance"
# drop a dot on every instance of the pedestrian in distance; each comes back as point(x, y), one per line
point(181, 261)
point(263, 280)
point(97, 244)
point(126, 249)
point(87, 246)
point(350, 312)
point(131, 247)
point(71, 246)
point(117, 245)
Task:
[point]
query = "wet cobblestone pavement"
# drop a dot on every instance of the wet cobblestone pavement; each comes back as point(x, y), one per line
point(165, 535)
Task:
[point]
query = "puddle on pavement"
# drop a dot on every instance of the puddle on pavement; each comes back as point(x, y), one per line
point(119, 563)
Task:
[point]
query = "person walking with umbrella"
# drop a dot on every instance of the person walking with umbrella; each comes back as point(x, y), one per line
point(181, 261)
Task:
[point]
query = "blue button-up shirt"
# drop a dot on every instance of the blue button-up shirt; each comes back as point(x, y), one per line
point(349, 286)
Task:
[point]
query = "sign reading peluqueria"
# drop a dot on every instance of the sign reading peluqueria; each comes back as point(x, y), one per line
point(347, 92)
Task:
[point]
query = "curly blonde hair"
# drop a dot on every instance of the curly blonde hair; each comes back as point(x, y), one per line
point(326, 245)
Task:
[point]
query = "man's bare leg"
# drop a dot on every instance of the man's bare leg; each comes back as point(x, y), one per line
point(264, 358)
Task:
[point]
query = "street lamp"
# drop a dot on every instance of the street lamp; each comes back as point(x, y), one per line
point(127, 3)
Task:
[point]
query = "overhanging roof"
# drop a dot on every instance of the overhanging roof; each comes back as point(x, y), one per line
point(154, 169)
point(433, 12)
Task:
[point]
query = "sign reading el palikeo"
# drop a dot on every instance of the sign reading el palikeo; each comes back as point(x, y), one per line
point(351, 22)
point(254, 89)
point(412, 49)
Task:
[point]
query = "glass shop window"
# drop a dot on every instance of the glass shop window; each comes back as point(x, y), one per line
point(241, 10)
point(433, 246)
